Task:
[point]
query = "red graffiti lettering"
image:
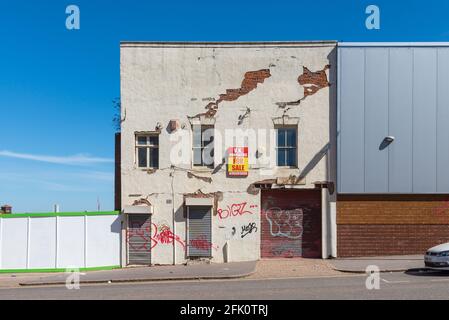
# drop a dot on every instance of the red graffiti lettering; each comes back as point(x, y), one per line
point(201, 243)
point(151, 237)
point(234, 210)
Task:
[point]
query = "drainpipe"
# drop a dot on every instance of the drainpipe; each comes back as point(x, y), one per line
point(172, 174)
point(324, 222)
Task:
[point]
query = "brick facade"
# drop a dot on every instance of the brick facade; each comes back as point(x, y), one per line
point(391, 224)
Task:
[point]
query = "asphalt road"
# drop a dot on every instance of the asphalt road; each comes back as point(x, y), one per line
point(392, 286)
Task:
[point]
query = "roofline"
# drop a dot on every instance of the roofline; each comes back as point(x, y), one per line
point(224, 44)
point(393, 44)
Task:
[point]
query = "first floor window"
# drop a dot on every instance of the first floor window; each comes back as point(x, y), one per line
point(147, 151)
point(203, 145)
point(286, 147)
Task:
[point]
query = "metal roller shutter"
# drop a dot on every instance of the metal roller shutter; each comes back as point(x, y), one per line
point(139, 239)
point(291, 224)
point(199, 232)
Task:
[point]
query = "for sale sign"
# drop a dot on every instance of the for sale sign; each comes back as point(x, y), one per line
point(238, 164)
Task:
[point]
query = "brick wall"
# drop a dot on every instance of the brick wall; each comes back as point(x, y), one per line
point(391, 225)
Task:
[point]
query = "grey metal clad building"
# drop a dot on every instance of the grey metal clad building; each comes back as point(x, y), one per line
point(393, 147)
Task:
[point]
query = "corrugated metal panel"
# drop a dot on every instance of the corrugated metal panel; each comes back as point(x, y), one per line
point(291, 224)
point(400, 92)
point(376, 120)
point(352, 118)
point(199, 231)
point(424, 120)
point(443, 120)
point(139, 239)
point(401, 120)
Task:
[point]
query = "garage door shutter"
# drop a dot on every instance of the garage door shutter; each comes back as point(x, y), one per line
point(291, 224)
point(139, 239)
point(199, 229)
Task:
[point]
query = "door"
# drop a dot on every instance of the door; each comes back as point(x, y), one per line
point(199, 228)
point(291, 224)
point(138, 238)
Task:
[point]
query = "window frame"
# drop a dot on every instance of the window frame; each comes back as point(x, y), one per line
point(203, 128)
point(286, 148)
point(150, 148)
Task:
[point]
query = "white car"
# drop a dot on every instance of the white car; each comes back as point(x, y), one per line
point(437, 258)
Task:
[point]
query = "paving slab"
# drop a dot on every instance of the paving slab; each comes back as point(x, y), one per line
point(156, 273)
point(293, 268)
point(385, 264)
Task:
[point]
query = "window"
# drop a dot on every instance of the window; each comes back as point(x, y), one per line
point(203, 145)
point(286, 147)
point(147, 151)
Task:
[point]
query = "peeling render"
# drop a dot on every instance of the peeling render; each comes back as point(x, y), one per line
point(205, 179)
point(249, 83)
point(312, 83)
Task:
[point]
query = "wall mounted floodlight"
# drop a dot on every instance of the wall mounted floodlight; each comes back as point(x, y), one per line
point(386, 142)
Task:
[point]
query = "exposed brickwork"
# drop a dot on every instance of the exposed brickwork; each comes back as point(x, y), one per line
point(391, 225)
point(313, 81)
point(249, 83)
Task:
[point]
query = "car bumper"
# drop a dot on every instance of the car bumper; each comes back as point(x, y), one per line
point(437, 263)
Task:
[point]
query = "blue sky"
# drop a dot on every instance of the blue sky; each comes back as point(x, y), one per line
point(57, 86)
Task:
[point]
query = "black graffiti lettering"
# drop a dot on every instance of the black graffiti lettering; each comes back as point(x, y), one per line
point(248, 229)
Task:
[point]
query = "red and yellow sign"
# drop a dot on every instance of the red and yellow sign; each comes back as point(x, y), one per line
point(238, 164)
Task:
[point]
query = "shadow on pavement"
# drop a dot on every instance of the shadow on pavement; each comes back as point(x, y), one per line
point(423, 272)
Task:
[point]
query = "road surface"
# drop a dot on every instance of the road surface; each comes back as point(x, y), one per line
point(392, 286)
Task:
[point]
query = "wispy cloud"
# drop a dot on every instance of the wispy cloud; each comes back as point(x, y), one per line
point(79, 159)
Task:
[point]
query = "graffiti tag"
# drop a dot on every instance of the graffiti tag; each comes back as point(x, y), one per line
point(201, 243)
point(234, 210)
point(287, 250)
point(248, 229)
point(151, 236)
point(286, 223)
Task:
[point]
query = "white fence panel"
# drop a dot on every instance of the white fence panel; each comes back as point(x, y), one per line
point(14, 243)
point(59, 242)
point(103, 241)
point(42, 249)
point(71, 242)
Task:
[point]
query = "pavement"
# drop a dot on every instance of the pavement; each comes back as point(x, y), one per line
point(385, 264)
point(264, 269)
point(156, 273)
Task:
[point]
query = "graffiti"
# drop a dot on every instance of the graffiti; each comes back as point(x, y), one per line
point(285, 223)
point(151, 236)
point(166, 236)
point(201, 243)
point(249, 229)
point(286, 250)
point(235, 210)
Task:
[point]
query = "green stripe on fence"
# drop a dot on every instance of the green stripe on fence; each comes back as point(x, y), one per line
point(59, 214)
point(58, 270)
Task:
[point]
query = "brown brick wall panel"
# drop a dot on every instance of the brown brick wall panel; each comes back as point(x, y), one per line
point(376, 225)
point(393, 210)
point(379, 240)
